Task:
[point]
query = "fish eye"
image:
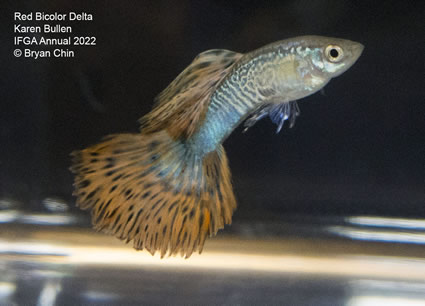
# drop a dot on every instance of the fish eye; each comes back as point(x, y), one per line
point(334, 53)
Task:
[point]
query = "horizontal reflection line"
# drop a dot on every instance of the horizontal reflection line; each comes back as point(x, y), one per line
point(342, 265)
point(418, 224)
point(378, 235)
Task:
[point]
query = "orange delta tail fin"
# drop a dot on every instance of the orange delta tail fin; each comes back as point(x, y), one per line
point(154, 191)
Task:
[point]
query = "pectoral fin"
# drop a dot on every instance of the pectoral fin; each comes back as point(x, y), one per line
point(278, 113)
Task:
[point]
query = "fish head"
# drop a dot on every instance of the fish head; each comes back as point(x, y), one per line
point(333, 56)
point(303, 65)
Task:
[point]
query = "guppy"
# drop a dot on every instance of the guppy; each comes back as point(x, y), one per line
point(169, 187)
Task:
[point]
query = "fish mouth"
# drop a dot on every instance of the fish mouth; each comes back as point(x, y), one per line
point(357, 50)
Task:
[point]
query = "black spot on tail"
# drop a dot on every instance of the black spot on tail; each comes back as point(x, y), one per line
point(146, 194)
point(117, 178)
point(84, 184)
point(109, 173)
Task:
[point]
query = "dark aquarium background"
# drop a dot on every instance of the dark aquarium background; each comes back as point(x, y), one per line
point(356, 149)
point(331, 212)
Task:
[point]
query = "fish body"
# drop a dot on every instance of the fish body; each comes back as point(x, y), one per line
point(169, 187)
point(278, 73)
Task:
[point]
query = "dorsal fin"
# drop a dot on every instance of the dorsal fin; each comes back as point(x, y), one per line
point(181, 107)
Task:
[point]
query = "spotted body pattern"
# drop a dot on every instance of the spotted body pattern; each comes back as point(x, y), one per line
point(169, 187)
